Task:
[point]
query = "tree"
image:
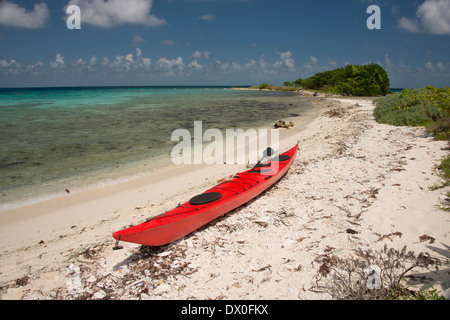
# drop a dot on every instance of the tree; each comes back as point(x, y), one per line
point(366, 80)
point(298, 82)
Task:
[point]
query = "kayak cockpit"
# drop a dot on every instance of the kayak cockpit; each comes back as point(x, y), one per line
point(205, 198)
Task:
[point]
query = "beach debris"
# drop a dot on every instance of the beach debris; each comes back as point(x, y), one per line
point(67, 191)
point(283, 124)
point(262, 269)
point(327, 261)
point(425, 237)
point(374, 192)
point(262, 223)
point(351, 231)
point(390, 236)
point(22, 281)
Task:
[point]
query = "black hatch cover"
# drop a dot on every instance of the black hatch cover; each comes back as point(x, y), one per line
point(205, 198)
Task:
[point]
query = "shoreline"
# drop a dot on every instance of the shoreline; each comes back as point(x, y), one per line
point(126, 192)
point(336, 147)
point(161, 190)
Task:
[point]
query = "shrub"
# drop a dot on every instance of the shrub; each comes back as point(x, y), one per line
point(265, 86)
point(374, 275)
point(428, 107)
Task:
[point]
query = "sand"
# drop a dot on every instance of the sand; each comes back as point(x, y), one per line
point(356, 184)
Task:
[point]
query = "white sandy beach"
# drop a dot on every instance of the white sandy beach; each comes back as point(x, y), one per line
point(351, 174)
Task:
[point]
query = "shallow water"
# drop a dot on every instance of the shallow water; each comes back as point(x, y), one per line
point(53, 139)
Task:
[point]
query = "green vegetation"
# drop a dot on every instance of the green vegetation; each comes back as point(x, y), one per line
point(444, 173)
point(403, 293)
point(429, 107)
point(366, 80)
point(287, 86)
point(264, 86)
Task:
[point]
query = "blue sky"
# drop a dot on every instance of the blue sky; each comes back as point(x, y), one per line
point(219, 42)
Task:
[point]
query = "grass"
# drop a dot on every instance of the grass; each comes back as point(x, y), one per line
point(428, 107)
point(443, 170)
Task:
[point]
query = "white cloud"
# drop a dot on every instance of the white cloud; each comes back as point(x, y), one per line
point(332, 64)
point(208, 17)
point(236, 66)
point(388, 62)
point(312, 63)
point(58, 62)
point(129, 57)
point(120, 63)
point(429, 66)
point(80, 62)
point(395, 8)
point(11, 68)
point(146, 62)
point(35, 68)
point(441, 66)
point(433, 16)
point(169, 42)
point(262, 62)
point(286, 60)
point(133, 65)
point(6, 64)
point(195, 65)
point(223, 66)
point(169, 67)
point(201, 55)
point(127, 62)
point(11, 15)
point(408, 25)
point(80, 65)
point(138, 40)
point(110, 13)
point(93, 61)
point(250, 65)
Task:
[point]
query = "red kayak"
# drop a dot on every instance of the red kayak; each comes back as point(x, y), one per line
point(209, 205)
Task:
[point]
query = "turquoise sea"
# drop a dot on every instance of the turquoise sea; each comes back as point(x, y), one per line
point(53, 139)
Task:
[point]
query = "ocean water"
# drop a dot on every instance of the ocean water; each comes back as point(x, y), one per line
point(53, 139)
